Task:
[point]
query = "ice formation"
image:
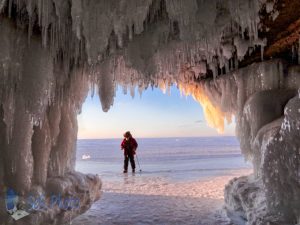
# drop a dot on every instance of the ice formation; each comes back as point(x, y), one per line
point(53, 51)
point(265, 103)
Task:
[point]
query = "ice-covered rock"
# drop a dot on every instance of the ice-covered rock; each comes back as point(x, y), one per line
point(266, 106)
point(272, 195)
point(245, 201)
point(38, 129)
point(263, 97)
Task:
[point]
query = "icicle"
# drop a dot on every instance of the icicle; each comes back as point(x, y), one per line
point(294, 54)
point(40, 12)
point(236, 63)
point(226, 66)
point(169, 90)
point(269, 6)
point(10, 2)
point(299, 51)
point(132, 91)
point(262, 52)
point(2, 4)
point(140, 89)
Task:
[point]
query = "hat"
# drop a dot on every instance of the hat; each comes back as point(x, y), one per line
point(127, 134)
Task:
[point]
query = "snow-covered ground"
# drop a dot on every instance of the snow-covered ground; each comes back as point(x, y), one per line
point(143, 199)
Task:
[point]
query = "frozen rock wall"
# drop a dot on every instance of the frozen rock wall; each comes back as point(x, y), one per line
point(53, 51)
point(38, 128)
point(265, 102)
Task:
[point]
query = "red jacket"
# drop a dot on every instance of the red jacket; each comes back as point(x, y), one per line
point(129, 146)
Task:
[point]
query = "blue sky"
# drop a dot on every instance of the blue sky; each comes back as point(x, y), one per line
point(154, 114)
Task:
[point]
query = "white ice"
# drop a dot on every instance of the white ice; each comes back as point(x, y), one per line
point(139, 199)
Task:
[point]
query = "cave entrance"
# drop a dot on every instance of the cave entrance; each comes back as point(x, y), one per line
point(179, 155)
point(164, 124)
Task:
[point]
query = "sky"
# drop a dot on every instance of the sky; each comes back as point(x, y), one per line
point(154, 114)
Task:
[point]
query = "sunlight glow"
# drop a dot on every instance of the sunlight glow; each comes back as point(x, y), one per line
point(213, 115)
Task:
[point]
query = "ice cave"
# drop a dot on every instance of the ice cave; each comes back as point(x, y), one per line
point(236, 57)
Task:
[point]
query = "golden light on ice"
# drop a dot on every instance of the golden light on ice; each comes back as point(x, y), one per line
point(214, 116)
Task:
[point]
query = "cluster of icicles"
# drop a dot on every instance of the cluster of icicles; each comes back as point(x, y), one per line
point(122, 42)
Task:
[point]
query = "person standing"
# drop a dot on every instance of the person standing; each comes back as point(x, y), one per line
point(129, 146)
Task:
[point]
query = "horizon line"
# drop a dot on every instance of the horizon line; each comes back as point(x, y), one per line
point(160, 137)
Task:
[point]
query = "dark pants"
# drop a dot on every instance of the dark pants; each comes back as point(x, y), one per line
point(128, 157)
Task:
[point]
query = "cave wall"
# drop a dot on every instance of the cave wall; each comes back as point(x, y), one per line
point(38, 128)
point(266, 107)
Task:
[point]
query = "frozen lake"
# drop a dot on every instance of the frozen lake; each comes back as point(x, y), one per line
point(181, 182)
